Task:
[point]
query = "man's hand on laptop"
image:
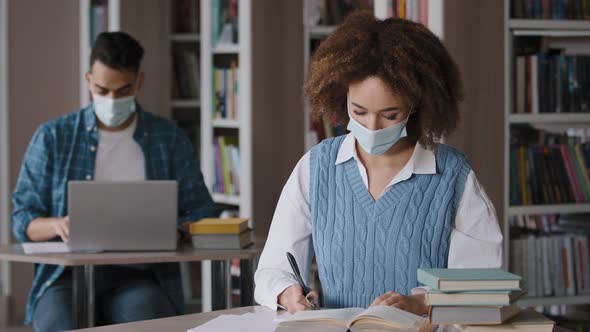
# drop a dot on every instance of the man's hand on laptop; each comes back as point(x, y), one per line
point(46, 229)
point(62, 228)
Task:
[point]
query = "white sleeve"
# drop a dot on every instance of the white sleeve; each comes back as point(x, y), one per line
point(476, 239)
point(290, 231)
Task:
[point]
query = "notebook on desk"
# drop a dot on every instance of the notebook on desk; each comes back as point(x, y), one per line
point(118, 216)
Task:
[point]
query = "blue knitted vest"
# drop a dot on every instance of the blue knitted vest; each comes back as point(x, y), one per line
point(364, 247)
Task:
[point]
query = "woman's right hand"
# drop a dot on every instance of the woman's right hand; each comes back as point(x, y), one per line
point(292, 298)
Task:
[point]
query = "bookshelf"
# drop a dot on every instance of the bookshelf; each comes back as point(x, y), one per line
point(185, 51)
point(95, 16)
point(552, 33)
point(549, 118)
point(319, 23)
point(219, 53)
point(226, 111)
point(549, 209)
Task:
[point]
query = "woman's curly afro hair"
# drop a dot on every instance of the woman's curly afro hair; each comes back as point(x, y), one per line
point(405, 55)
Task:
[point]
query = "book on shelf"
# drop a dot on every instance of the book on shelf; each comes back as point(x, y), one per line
point(414, 10)
point(225, 92)
point(224, 22)
point(472, 298)
point(552, 254)
point(226, 155)
point(480, 315)
point(552, 82)
point(525, 321)
point(377, 318)
point(186, 14)
point(186, 76)
point(461, 280)
point(548, 168)
point(551, 9)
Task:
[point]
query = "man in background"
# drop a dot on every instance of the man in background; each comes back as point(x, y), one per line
point(112, 139)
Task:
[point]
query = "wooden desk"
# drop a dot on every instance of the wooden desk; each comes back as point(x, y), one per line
point(172, 324)
point(83, 269)
point(186, 322)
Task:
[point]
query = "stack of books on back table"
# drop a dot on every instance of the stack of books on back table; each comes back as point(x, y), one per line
point(479, 300)
point(221, 233)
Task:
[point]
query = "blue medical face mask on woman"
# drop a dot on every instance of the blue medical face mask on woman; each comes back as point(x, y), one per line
point(377, 141)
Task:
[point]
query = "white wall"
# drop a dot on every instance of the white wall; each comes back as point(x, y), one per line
point(43, 53)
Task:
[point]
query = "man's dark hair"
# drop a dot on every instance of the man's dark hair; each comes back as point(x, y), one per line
point(117, 50)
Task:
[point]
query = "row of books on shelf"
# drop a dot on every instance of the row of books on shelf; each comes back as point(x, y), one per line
point(554, 174)
point(543, 224)
point(224, 22)
point(414, 10)
point(551, 9)
point(186, 81)
point(553, 265)
point(225, 92)
point(333, 12)
point(226, 155)
point(186, 15)
point(548, 82)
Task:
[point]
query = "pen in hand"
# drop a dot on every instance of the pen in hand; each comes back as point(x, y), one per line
point(306, 290)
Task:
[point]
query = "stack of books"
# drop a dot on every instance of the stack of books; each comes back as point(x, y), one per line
point(226, 155)
point(475, 297)
point(218, 233)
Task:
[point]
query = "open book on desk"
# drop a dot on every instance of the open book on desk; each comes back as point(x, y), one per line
point(378, 318)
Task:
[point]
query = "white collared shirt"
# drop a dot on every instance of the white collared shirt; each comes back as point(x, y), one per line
point(476, 239)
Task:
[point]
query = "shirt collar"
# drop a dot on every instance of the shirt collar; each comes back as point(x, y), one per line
point(423, 160)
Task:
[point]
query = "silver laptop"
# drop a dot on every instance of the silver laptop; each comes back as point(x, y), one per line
point(122, 216)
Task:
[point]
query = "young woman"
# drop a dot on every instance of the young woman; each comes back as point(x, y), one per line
point(385, 199)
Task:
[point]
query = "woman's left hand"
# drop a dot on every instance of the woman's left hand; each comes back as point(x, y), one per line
point(415, 304)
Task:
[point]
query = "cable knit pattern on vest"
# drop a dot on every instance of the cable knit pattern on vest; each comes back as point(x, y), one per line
point(364, 247)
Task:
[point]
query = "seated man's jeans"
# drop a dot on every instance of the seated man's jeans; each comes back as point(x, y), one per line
point(123, 294)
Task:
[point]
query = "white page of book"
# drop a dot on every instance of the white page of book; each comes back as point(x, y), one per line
point(394, 315)
point(345, 315)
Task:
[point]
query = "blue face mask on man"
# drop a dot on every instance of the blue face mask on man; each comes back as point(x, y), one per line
point(113, 112)
point(377, 141)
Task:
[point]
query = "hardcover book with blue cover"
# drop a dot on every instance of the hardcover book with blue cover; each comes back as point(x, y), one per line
point(459, 280)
